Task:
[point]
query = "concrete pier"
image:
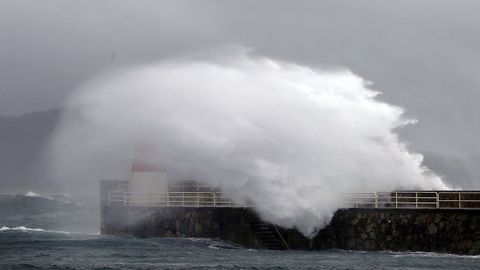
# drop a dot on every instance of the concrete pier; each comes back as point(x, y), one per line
point(407, 221)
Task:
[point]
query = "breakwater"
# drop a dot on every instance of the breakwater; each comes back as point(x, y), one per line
point(451, 231)
point(397, 229)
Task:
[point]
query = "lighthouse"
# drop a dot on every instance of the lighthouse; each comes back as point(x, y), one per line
point(147, 175)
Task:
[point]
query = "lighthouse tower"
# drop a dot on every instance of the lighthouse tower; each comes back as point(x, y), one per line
point(147, 176)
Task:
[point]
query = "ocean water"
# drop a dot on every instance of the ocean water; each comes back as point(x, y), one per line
point(61, 233)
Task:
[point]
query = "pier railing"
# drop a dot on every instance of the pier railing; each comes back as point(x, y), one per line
point(415, 199)
point(172, 199)
point(395, 199)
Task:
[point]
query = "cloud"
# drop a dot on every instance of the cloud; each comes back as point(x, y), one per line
point(423, 56)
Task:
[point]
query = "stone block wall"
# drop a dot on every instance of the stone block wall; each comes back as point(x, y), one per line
point(231, 224)
point(438, 230)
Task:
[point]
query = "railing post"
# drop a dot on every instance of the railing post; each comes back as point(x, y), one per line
point(460, 200)
point(437, 196)
point(183, 198)
point(214, 199)
point(416, 199)
point(124, 198)
point(396, 199)
point(168, 198)
point(376, 199)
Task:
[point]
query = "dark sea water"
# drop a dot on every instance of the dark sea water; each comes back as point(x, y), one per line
point(61, 233)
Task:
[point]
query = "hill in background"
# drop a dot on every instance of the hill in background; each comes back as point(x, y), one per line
point(23, 141)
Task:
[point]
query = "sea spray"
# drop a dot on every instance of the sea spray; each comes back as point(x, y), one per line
point(285, 137)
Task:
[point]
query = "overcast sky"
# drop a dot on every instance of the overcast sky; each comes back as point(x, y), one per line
point(423, 55)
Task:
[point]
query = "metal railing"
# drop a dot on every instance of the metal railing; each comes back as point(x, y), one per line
point(414, 200)
point(172, 199)
point(395, 199)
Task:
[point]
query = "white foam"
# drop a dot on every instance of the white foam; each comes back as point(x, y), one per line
point(36, 195)
point(21, 228)
point(26, 229)
point(399, 254)
point(32, 194)
point(67, 195)
point(285, 137)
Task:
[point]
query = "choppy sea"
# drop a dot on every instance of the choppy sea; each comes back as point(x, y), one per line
point(61, 232)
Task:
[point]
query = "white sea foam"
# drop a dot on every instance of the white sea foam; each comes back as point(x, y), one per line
point(285, 137)
point(36, 195)
point(21, 228)
point(26, 229)
point(399, 254)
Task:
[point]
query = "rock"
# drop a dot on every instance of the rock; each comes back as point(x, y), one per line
point(207, 222)
point(370, 245)
point(178, 225)
point(464, 245)
point(417, 221)
point(184, 227)
point(408, 238)
point(441, 225)
point(476, 245)
point(168, 233)
point(351, 243)
point(432, 229)
point(437, 218)
point(191, 226)
point(198, 228)
point(468, 244)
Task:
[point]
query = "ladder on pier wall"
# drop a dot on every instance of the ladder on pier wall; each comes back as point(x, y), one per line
point(269, 236)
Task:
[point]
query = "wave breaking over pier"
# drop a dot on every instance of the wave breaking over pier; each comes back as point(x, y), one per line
point(281, 136)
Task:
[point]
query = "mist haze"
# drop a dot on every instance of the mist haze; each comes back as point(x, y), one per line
point(422, 56)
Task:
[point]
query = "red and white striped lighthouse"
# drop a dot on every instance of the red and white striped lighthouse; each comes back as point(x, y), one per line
point(147, 176)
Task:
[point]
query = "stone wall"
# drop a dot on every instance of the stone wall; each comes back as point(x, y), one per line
point(231, 224)
point(439, 230)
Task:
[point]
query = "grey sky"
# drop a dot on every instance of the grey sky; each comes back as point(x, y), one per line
point(423, 55)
